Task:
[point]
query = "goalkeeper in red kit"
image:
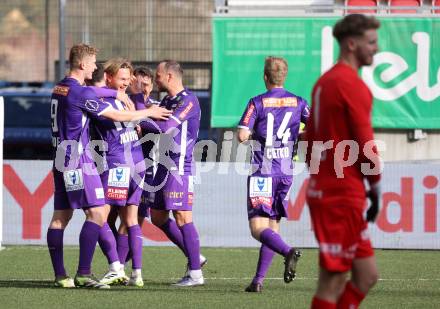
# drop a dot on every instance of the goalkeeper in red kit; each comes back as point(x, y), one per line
point(341, 155)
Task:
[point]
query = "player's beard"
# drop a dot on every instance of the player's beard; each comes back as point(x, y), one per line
point(364, 58)
point(161, 88)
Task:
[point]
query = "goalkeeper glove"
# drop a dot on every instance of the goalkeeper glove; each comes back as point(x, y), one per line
point(374, 195)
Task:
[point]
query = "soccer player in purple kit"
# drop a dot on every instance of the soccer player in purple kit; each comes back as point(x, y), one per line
point(177, 193)
point(140, 88)
point(141, 91)
point(124, 159)
point(77, 183)
point(271, 120)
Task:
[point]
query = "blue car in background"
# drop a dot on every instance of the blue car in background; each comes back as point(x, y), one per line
point(27, 123)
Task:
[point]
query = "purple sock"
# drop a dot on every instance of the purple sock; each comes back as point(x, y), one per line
point(273, 240)
point(55, 245)
point(87, 243)
point(264, 261)
point(123, 247)
point(113, 229)
point(192, 245)
point(174, 234)
point(135, 243)
point(107, 242)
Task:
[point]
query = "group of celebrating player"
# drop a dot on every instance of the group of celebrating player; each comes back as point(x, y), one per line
point(134, 175)
point(112, 179)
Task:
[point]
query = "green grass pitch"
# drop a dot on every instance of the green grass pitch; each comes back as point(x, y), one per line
point(409, 279)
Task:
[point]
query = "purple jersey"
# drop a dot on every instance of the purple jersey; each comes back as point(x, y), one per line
point(77, 183)
point(123, 157)
point(274, 118)
point(147, 148)
point(183, 125)
point(140, 103)
point(120, 137)
point(72, 106)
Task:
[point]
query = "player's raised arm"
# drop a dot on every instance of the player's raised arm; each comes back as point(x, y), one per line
point(155, 112)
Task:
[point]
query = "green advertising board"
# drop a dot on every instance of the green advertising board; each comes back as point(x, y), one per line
point(404, 78)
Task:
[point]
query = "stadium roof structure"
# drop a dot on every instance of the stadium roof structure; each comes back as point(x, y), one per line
point(289, 8)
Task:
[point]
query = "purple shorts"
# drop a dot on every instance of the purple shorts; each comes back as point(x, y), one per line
point(77, 189)
point(176, 194)
point(268, 196)
point(123, 184)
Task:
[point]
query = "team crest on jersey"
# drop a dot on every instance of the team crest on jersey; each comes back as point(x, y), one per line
point(260, 187)
point(73, 180)
point(92, 105)
point(119, 177)
point(61, 90)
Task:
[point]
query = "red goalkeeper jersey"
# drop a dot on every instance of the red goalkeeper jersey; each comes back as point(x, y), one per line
point(341, 116)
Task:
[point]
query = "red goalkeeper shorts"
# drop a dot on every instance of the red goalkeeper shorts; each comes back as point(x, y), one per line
point(341, 232)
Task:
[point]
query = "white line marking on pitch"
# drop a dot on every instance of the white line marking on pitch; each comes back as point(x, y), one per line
point(235, 278)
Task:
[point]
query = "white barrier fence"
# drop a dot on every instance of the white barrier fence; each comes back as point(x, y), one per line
point(408, 220)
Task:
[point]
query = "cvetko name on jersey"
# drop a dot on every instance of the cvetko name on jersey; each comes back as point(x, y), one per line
point(277, 153)
point(129, 136)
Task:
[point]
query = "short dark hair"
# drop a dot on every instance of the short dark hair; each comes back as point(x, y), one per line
point(354, 25)
point(97, 76)
point(173, 66)
point(144, 71)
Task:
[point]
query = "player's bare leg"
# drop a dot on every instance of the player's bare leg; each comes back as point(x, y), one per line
point(55, 236)
point(364, 276)
point(88, 238)
point(192, 248)
point(130, 219)
point(329, 290)
point(261, 230)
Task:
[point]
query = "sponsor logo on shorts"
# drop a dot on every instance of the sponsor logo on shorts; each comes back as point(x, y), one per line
point(117, 193)
point(190, 198)
point(260, 187)
point(173, 194)
point(335, 250)
point(119, 177)
point(261, 201)
point(73, 180)
point(178, 204)
point(99, 192)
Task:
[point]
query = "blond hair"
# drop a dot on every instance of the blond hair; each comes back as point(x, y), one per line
point(112, 66)
point(275, 69)
point(78, 52)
